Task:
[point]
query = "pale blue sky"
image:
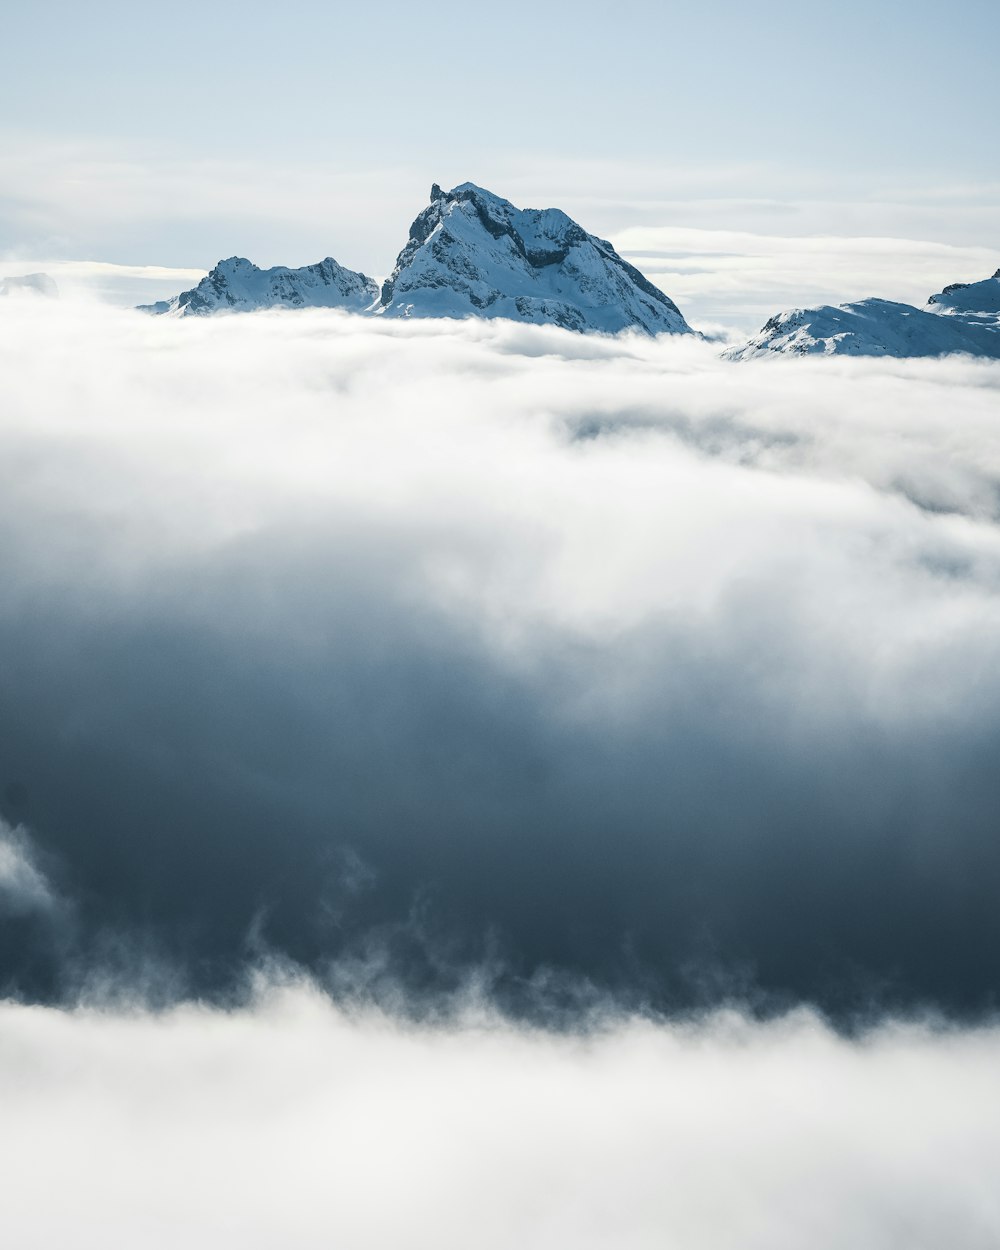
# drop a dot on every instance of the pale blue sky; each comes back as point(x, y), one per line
point(173, 134)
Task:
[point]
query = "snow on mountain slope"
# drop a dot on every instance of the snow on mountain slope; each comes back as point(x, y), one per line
point(237, 285)
point(472, 254)
point(960, 319)
point(969, 297)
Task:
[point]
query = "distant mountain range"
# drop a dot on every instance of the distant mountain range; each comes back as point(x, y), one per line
point(469, 254)
point(237, 285)
point(964, 317)
point(472, 254)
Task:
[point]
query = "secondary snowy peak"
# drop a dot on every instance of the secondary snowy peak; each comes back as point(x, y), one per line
point(965, 317)
point(472, 254)
point(871, 327)
point(967, 298)
point(237, 285)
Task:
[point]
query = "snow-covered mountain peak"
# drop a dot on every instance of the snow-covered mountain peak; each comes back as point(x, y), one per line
point(469, 253)
point(234, 265)
point(969, 297)
point(238, 285)
point(473, 253)
point(964, 317)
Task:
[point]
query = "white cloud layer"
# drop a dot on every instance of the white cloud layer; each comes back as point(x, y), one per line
point(122, 285)
point(526, 475)
point(293, 1123)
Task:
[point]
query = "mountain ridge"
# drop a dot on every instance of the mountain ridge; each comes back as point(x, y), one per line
point(469, 253)
point(962, 318)
point(238, 285)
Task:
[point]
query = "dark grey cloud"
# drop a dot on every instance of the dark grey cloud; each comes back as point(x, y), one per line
point(340, 645)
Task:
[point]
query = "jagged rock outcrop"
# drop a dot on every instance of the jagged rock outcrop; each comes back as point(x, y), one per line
point(237, 285)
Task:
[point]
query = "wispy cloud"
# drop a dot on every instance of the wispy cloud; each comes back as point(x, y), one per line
point(24, 889)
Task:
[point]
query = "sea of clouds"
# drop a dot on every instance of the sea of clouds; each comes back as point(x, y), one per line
point(293, 1123)
point(475, 782)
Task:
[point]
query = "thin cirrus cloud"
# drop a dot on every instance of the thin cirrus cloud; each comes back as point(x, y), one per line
point(594, 668)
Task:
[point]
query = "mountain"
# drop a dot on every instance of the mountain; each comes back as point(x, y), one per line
point(982, 298)
point(29, 284)
point(964, 317)
point(237, 285)
point(472, 254)
point(469, 254)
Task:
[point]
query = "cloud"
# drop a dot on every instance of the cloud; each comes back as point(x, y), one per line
point(291, 1121)
point(741, 278)
point(23, 887)
point(601, 666)
point(125, 285)
point(37, 922)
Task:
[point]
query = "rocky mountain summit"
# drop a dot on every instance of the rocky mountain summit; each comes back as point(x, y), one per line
point(237, 285)
point(964, 317)
point(472, 254)
point(469, 254)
